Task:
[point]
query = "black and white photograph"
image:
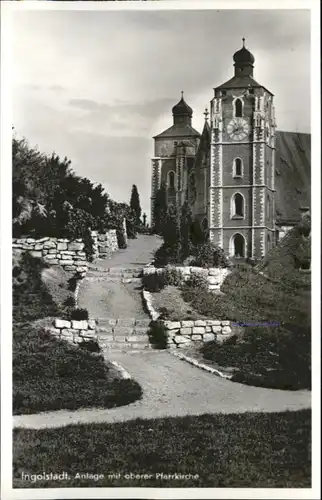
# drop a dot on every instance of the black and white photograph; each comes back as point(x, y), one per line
point(157, 316)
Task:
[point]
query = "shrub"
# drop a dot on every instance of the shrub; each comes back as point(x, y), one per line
point(90, 345)
point(72, 282)
point(79, 314)
point(166, 254)
point(31, 299)
point(153, 282)
point(70, 302)
point(158, 335)
point(121, 238)
point(197, 281)
point(209, 255)
point(173, 276)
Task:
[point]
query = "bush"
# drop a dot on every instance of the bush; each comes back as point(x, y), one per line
point(153, 282)
point(31, 299)
point(79, 314)
point(158, 335)
point(209, 255)
point(72, 282)
point(196, 282)
point(166, 254)
point(70, 302)
point(121, 238)
point(90, 345)
point(173, 276)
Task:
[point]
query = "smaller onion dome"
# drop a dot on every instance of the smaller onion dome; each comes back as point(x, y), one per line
point(243, 56)
point(182, 108)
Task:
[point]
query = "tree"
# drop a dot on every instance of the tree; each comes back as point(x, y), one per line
point(185, 230)
point(160, 208)
point(171, 233)
point(135, 203)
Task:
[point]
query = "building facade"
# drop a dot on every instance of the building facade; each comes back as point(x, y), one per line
point(228, 172)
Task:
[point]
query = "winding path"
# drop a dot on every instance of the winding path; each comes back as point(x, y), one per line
point(171, 387)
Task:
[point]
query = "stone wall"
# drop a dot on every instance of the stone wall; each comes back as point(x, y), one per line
point(183, 333)
point(67, 253)
point(215, 276)
point(104, 243)
point(55, 251)
point(74, 331)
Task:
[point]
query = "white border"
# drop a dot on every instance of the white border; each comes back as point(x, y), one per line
point(6, 322)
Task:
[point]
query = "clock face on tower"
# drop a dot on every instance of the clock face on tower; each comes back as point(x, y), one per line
point(237, 129)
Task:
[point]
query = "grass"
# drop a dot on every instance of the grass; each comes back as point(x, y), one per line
point(265, 359)
point(277, 355)
point(52, 374)
point(169, 302)
point(71, 377)
point(266, 450)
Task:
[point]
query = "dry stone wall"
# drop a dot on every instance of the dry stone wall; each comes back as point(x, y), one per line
point(74, 331)
point(215, 276)
point(55, 251)
point(67, 253)
point(183, 333)
point(104, 243)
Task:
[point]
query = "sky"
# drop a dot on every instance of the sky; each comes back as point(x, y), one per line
point(97, 86)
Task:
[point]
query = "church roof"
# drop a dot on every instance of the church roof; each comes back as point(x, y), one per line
point(292, 175)
point(239, 82)
point(182, 108)
point(243, 56)
point(178, 130)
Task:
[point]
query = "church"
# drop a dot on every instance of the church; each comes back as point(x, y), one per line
point(246, 182)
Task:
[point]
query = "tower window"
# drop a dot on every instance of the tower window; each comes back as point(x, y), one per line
point(268, 207)
point(237, 167)
point(171, 179)
point(238, 108)
point(238, 206)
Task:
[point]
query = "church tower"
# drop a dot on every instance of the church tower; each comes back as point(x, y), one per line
point(174, 154)
point(242, 163)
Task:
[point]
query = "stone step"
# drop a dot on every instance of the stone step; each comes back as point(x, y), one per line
point(123, 322)
point(106, 277)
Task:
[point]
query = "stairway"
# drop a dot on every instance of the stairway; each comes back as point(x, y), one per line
point(123, 334)
point(122, 274)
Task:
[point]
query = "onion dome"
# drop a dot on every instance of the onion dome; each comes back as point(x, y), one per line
point(182, 108)
point(243, 56)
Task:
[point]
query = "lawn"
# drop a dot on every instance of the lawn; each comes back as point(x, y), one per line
point(52, 374)
point(266, 450)
point(169, 302)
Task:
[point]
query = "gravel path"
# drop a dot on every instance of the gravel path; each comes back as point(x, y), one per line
point(109, 299)
point(114, 299)
point(138, 253)
point(174, 388)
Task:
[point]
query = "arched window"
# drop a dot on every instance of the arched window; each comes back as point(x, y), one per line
point(238, 208)
point(171, 179)
point(237, 167)
point(238, 108)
